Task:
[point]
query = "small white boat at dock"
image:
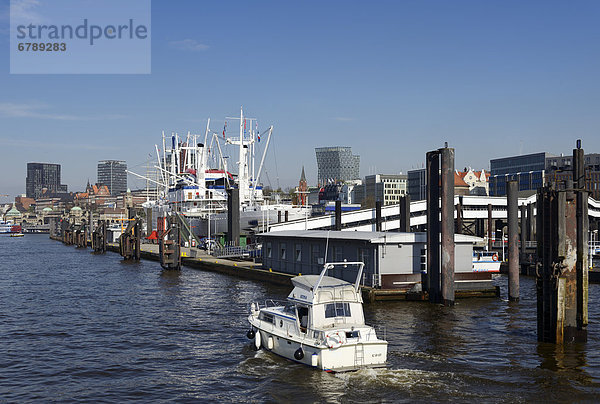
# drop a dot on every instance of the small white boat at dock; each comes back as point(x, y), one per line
point(486, 261)
point(321, 325)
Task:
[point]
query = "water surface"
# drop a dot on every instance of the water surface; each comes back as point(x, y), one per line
point(82, 327)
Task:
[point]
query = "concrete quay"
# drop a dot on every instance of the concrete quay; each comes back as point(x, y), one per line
point(199, 259)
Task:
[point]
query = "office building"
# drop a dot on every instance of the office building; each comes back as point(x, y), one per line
point(43, 177)
point(417, 184)
point(559, 170)
point(386, 188)
point(529, 170)
point(336, 164)
point(113, 174)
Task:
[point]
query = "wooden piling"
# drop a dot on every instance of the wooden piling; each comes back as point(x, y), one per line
point(513, 241)
point(405, 214)
point(490, 226)
point(447, 226)
point(562, 282)
point(377, 215)
point(338, 215)
point(433, 226)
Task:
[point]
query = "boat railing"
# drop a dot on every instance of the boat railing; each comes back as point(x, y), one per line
point(377, 331)
point(270, 303)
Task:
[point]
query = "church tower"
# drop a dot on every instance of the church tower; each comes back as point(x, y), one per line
point(302, 189)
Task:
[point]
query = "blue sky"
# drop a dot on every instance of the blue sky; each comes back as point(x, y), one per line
point(391, 79)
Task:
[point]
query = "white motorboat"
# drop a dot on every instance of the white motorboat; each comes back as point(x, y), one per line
point(321, 325)
point(485, 261)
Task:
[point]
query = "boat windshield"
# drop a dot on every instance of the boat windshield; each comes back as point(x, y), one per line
point(290, 309)
point(337, 309)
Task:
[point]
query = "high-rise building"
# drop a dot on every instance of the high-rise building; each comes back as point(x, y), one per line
point(43, 175)
point(528, 170)
point(417, 184)
point(113, 174)
point(386, 188)
point(559, 170)
point(336, 164)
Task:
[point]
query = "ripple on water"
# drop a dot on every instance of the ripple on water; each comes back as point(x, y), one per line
point(84, 327)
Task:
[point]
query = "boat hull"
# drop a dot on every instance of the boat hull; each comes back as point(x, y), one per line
point(349, 356)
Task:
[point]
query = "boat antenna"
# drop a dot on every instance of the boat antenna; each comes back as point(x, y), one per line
point(326, 248)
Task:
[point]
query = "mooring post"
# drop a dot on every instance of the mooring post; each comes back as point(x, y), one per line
point(447, 208)
point(169, 246)
point(433, 226)
point(513, 241)
point(530, 223)
point(523, 234)
point(404, 214)
point(490, 226)
point(562, 282)
point(377, 215)
point(137, 234)
point(233, 216)
point(90, 227)
point(338, 215)
point(459, 214)
point(278, 216)
point(582, 243)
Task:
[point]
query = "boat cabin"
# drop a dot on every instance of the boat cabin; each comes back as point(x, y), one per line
point(334, 302)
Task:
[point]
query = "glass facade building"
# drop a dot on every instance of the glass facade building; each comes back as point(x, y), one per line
point(528, 170)
point(417, 184)
point(43, 175)
point(336, 164)
point(113, 174)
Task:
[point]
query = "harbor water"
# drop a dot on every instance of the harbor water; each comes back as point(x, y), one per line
point(82, 327)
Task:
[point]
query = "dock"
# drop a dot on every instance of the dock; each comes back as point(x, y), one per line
point(200, 259)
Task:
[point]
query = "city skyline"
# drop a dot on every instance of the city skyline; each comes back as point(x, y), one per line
point(492, 80)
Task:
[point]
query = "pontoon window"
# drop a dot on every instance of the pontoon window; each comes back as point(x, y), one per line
point(337, 310)
point(269, 250)
point(282, 255)
point(298, 252)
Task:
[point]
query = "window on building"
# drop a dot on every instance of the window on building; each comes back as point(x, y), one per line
point(316, 257)
point(269, 251)
point(298, 252)
point(282, 251)
point(338, 253)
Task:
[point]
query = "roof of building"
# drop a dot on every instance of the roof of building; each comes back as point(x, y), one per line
point(47, 209)
point(75, 209)
point(13, 212)
point(459, 181)
point(373, 237)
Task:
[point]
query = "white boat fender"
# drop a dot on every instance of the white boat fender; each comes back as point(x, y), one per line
point(299, 354)
point(314, 359)
point(250, 334)
point(270, 343)
point(257, 341)
point(334, 340)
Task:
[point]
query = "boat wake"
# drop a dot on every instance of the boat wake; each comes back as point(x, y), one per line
point(406, 379)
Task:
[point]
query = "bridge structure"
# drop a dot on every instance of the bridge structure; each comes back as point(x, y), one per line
point(471, 213)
